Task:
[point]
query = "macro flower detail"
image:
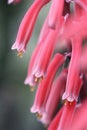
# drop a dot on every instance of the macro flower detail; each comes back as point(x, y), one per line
point(58, 65)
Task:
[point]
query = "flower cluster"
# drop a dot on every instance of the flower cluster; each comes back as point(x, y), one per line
point(58, 64)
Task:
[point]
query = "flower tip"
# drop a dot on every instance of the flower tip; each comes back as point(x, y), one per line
point(14, 46)
point(64, 96)
point(18, 46)
point(69, 98)
point(29, 81)
point(10, 1)
point(13, 1)
point(26, 81)
point(20, 52)
point(45, 119)
point(38, 74)
point(35, 109)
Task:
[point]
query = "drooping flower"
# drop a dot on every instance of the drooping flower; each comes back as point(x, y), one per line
point(80, 117)
point(49, 42)
point(55, 13)
point(31, 79)
point(45, 86)
point(61, 75)
point(73, 77)
point(27, 25)
point(57, 89)
point(67, 116)
point(55, 122)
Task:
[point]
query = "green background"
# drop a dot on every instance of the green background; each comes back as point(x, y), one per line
point(16, 98)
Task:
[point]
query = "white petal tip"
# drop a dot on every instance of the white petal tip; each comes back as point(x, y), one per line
point(70, 99)
point(10, 1)
point(29, 82)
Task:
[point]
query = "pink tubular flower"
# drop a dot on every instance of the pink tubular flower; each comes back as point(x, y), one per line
point(45, 86)
point(47, 51)
point(80, 117)
point(31, 79)
point(60, 73)
point(73, 72)
point(55, 13)
point(44, 30)
point(27, 25)
point(57, 89)
point(55, 122)
point(67, 116)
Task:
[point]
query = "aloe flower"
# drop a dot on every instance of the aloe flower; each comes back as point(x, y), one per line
point(80, 118)
point(58, 65)
point(45, 86)
point(73, 72)
point(57, 89)
point(27, 25)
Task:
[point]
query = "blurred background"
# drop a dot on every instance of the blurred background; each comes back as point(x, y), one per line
point(16, 98)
